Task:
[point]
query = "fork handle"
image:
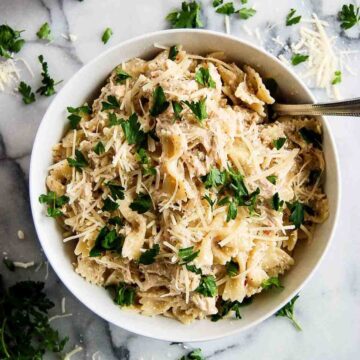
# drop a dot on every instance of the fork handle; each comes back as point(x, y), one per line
point(337, 108)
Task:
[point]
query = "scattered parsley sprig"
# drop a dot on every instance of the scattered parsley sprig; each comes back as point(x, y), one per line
point(10, 41)
point(48, 87)
point(25, 90)
point(349, 16)
point(54, 203)
point(288, 311)
point(186, 17)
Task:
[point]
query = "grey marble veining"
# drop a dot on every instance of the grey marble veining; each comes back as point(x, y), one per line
point(328, 307)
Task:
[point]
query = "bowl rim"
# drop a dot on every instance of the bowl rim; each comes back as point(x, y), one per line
point(138, 330)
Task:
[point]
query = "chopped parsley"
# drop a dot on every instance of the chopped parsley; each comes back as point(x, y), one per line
point(232, 268)
point(297, 59)
point(207, 286)
point(148, 257)
point(77, 113)
point(10, 41)
point(121, 76)
point(276, 203)
point(125, 294)
point(44, 32)
point(232, 211)
point(337, 77)
point(79, 162)
point(194, 355)
point(109, 205)
point(214, 178)
point(110, 104)
point(272, 179)
point(25, 329)
point(202, 76)
point(349, 16)
point(116, 220)
point(173, 51)
point(297, 213)
point(186, 17)
point(226, 9)
point(106, 35)
point(132, 131)
point(159, 102)
point(194, 269)
point(224, 307)
point(113, 120)
point(187, 255)
point(246, 13)
point(54, 203)
point(99, 148)
point(25, 90)
point(177, 108)
point(48, 84)
point(279, 143)
point(9, 264)
point(288, 311)
point(271, 282)
point(107, 240)
point(198, 108)
point(216, 3)
point(141, 204)
point(117, 191)
point(210, 201)
point(145, 162)
point(311, 137)
point(291, 19)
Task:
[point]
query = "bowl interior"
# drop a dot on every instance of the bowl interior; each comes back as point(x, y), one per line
point(78, 90)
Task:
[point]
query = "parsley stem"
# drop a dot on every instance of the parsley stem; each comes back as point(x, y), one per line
point(295, 323)
point(3, 345)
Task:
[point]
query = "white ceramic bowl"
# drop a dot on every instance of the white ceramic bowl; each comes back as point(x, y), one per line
point(80, 88)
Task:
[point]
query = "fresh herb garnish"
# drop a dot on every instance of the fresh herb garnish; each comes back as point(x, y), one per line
point(216, 3)
point(117, 191)
point(54, 203)
point(10, 41)
point(159, 102)
point(224, 307)
point(125, 294)
point(279, 143)
point(116, 220)
point(44, 32)
point(194, 269)
point(232, 268)
point(246, 13)
point(232, 211)
point(272, 179)
point(198, 108)
point(311, 137)
point(214, 178)
point(207, 286)
point(288, 311)
point(193, 355)
point(48, 87)
point(9, 264)
point(79, 162)
point(226, 9)
point(99, 148)
point(187, 255)
point(177, 108)
point(113, 120)
point(109, 205)
point(107, 240)
point(25, 329)
point(187, 17)
point(106, 35)
point(349, 16)
point(202, 76)
point(297, 213)
point(121, 76)
point(291, 19)
point(25, 90)
point(132, 131)
point(110, 104)
point(76, 114)
point(173, 51)
point(145, 162)
point(337, 78)
point(297, 59)
point(148, 257)
point(210, 201)
point(271, 282)
point(141, 204)
point(276, 203)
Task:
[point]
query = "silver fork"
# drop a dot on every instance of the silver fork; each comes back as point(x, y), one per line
point(337, 108)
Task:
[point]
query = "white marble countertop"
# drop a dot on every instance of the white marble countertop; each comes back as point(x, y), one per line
point(328, 306)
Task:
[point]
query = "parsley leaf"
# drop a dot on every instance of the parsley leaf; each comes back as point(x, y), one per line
point(337, 78)
point(224, 307)
point(10, 41)
point(132, 131)
point(288, 311)
point(148, 257)
point(226, 9)
point(311, 137)
point(297, 213)
point(207, 286)
point(54, 203)
point(44, 32)
point(9, 264)
point(271, 282)
point(116, 220)
point(76, 114)
point(109, 205)
point(111, 103)
point(198, 108)
point(106, 35)
point(48, 87)
point(194, 355)
point(202, 76)
point(159, 102)
point(210, 201)
point(349, 16)
point(276, 203)
point(187, 17)
point(177, 108)
point(279, 143)
point(216, 3)
point(194, 269)
point(291, 19)
point(25, 90)
point(272, 179)
point(141, 204)
point(121, 76)
point(214, 178)
point(125, 294)
point(145, 161)
point(117, 191)
point(99, 148)
point(107, 240)
point(79, 161)
point(232, 211)
point(297, 59)
point(187, 255)
point(113, 120)
point(232, 268)
point(173, 51)
point(246, 13)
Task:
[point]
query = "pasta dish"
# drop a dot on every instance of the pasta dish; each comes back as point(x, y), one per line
point(178, 189)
